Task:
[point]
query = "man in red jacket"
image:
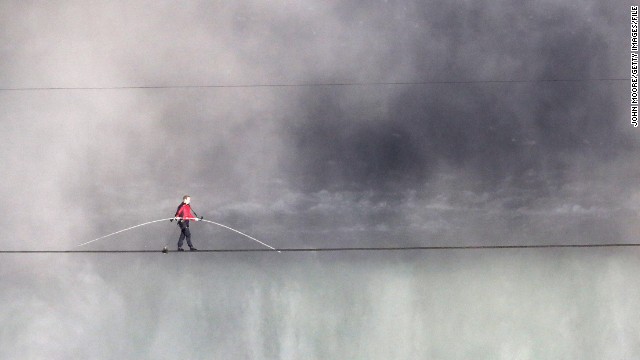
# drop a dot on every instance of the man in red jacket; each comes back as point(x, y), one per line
point(183, 215)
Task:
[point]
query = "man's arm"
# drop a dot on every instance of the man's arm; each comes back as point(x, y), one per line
point(178, 213)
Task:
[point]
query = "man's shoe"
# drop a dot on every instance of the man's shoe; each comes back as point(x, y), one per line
point(180, 249)
point(193, 249)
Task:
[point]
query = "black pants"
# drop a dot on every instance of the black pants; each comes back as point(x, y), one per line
point(184, 233)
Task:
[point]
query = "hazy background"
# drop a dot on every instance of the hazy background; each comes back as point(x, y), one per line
point(494, 150)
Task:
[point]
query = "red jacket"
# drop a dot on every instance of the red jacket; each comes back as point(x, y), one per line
point(184, 211)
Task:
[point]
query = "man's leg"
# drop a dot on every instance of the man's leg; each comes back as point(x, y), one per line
point(182, 234)
point(188, 235)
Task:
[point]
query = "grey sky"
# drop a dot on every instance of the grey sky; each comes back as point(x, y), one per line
point(488, 162)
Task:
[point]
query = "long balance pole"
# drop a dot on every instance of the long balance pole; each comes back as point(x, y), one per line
point(155, 221)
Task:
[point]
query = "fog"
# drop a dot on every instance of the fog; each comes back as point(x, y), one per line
point(311, 125)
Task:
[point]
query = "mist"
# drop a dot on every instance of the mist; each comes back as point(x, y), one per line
point(317, 125)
